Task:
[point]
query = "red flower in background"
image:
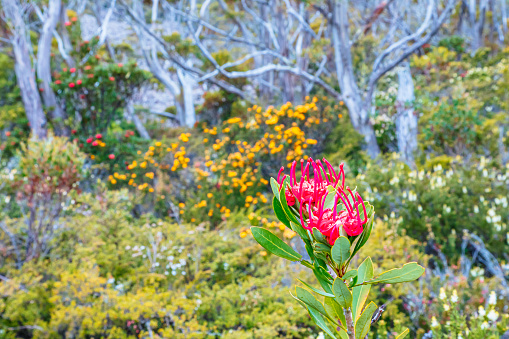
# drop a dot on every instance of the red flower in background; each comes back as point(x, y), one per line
point(74, 19)
point(58, 82)
point(120, 65)
point(112, 79)
point(95, 143)
point(78, 82)
point(98, 136)
point(72, 70)
point(71, 85)
point(89, 140)
point(67, 23)
point(111, 156)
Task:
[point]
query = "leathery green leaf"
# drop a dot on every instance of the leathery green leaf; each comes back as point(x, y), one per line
point(360, 293)
point(274, 245)
point(364, 322)
point(342, 293)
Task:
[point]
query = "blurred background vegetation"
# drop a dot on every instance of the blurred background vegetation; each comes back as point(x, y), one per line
point(124, 221)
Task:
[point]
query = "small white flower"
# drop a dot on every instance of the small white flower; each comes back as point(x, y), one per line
point(485, 325)
point(442, 295)
point(464, 189)
point(459, 336)
point(446, 307)
point(419, 208)
point(320, 336)
point(476, 209)
point(493, 315)
point(434, 322)
point(492, 300)
point(454, 297)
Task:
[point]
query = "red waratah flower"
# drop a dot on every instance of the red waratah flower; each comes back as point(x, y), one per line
point(89, 140)
point(71, 85)
point(95, 143)
point(330, 222)
point(58, 82)
point(120, 65)
point(8, 133)
point(86, 68)
point(90, 76)
point(73, 131)
point(64, 69)
point(74, 19)
point(112, 79)
point(41, 89)
point(307, 189)
point(67, 23)
point(111, 156)
point(78, 82)
point(98, 136)
point(72, 70)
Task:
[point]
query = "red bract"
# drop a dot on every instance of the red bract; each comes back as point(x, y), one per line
point(120, 65)
point(307, 189)
point(67, 23)
point(74, 19)
point(112, 79)
point(111, 156)
point(89, 140)
point(73, 131)
point(330, 222)
point(71, 85)
point(78, 82)
point(98, 136)
point(58, 82)
point(95, 143)
point(72, 70)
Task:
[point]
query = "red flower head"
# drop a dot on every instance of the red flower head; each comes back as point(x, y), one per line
point(98, 136)
point(120, 65)
point(89, 140)
point(112, 79)
point(95, 143)
point(87, 67)
point(78, 82)
point(74, 19)
point(41, 89)
point(90, 76)
point(64, 69)
point(329, 221)
point(111, 156)
point(72, 70)
point(307, 189)
point(67, 23)
point(82, 96)
point(71, 85)
point(73, 131)
point(58, 82)
point(8, 133)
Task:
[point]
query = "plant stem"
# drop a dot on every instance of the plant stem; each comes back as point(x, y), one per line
point(349, 323)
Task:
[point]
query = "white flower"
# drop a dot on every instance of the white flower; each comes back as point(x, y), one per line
point(492, 300)
point(454, 297)
point(493, 315)
point(485, 325)
point(320, 336)
point(442, 295)
point(476, 209)
point(464, 189)
point(482, 311)
point(419, 208)
point(446, 307)
point(434, 322)
point(459, 336)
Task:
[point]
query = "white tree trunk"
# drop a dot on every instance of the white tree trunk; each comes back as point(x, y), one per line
point(56, 114)
point(131, 114)
point(23, 67)
point(357, 107)
point(406, 118)
point(186, 81)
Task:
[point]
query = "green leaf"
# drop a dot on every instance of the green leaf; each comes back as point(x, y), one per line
point(341, 250)
point(322, 247)
point(334, 310)
point(319, 236)
point(284, 204)
point(409, 272)
point(318, 320)
point(307, 264)
point(360, 293)
point(275, 187)
point(364, 236)
point(350, 274)
point(297, 227)
point(364, 322)
point(342, 293)
point(325, 294)
point(274, 245)
point(324, 282)
point(309, 299)
point(280, 214)
point(403, 334)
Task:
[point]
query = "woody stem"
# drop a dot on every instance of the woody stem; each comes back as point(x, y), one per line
point(349, 323)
